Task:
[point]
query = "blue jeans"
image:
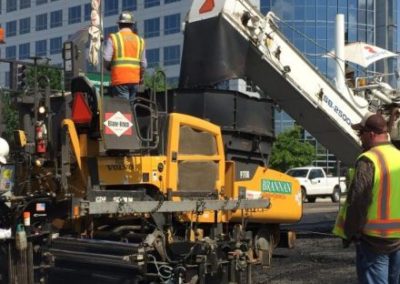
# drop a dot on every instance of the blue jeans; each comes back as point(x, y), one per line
point(377, 268)
point(127, 91)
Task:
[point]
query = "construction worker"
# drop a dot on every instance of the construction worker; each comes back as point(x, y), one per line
point(124, 56)
point(370, 217)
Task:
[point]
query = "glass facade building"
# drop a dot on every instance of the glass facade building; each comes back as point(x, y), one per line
point(310, 26)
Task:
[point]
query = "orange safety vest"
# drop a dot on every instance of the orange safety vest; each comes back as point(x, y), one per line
point(383, 217)
point(125, 65)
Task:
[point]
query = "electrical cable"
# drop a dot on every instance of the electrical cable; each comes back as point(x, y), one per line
point(163, 278)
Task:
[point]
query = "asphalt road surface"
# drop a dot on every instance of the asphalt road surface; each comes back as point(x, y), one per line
point(318, 256)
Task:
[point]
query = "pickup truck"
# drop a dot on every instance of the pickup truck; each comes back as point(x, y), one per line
point(315, 183)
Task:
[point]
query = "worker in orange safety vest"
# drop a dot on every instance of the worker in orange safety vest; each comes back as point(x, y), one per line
point(124, 56)
point(370, 216)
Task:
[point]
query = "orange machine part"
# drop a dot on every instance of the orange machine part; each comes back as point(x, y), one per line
point(2, 35)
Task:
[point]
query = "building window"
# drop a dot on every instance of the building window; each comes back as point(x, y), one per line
point(110, 7)
point(24, 26)
point(172, 55)
point(24, 51)
point(11, 52)
point(110, 30)
point(151, 3)
point(41, 48)
point(153, 57)
point(152, 27)
point(55, 45)
point(41, 22)
point(24, 4)
point(129, 5)
point(40, 2)
point(87, 10)
point(74, 15)
point(11, 28)
point(172, 24)
point(56, 19)
point(170, 1)
point(11, 5)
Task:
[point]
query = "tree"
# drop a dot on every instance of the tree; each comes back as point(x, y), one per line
point(10, 115)
point(289, 151)
point(156, 80)
point(52, 73)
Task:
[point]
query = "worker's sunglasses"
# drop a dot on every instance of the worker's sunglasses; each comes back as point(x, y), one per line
point(361, 132)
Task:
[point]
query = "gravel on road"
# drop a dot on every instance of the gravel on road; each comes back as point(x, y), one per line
point(316, 258)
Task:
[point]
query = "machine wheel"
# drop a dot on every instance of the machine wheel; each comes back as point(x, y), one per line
point(311, 199)
point(265, 241)
point(303, 194)
point(335, 194)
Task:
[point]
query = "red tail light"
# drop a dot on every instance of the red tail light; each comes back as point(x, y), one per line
point(207, 6)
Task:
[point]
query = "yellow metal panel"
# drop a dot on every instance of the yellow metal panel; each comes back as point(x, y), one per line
point(20, 138)
point(229, 178)
point(73, 135)
point(175, 122)
point(130, 171)
point(199, 158)
point(282, 190)
point(83, 141)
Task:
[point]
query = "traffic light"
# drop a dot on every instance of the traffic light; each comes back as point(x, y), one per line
point(21, 77)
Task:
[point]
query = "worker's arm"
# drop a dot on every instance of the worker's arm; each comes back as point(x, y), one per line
point(359, 198)
point(143, 65)
point(107, 54)
point(143, 59)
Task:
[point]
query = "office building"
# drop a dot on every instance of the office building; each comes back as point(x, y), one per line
point(39, 28)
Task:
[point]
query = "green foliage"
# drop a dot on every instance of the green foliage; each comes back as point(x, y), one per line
point(9, 111)
point(156, 80)
point(10, 115)
point(289, 151)
point(52, 73)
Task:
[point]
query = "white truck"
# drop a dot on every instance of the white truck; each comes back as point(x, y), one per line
point(316, 183)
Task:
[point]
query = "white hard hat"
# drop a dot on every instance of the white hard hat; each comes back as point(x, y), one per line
point(126, 17)
point(4, 150)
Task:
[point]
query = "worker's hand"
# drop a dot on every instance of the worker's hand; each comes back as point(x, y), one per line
point(141, 81)
point(107, 65)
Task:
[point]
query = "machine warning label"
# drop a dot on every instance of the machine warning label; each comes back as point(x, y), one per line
point(118, 123)
point(276, 186)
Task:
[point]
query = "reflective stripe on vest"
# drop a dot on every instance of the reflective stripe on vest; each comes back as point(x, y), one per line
point(383, 219)
point(338, 229)
point(125, 65)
